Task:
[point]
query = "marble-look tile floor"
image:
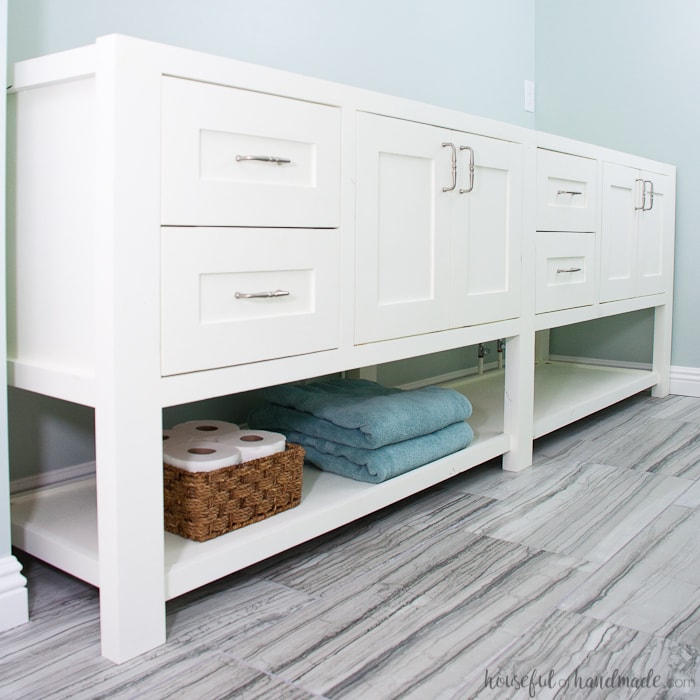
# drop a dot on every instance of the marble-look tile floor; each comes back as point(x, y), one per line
point(577, 578)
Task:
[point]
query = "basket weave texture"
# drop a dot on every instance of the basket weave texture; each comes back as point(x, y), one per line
point(204, 505)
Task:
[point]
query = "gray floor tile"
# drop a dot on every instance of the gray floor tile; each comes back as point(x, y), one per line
point(572, 656)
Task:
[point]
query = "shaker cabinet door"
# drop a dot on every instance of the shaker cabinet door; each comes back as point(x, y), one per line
point(653, 248)
point(486, 231)
point(403, 220)
point(618, 233)
point(636, 233)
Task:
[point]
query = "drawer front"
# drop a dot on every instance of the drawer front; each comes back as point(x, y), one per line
point(566, 192)
point(231, 296)
point(565, 271)
point(234, 157)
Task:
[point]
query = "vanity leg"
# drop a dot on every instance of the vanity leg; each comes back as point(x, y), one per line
point(130, 530)
point(662, 350)
point(518, 401)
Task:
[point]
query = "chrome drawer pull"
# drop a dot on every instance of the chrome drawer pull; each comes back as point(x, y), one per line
point(571, 192)
point(262, 295)
point(265, 159)
point(568, 269)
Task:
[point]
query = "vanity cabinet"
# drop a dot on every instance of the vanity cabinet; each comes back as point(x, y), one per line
point(439, 218)
point(184, 227)
point(636, 234)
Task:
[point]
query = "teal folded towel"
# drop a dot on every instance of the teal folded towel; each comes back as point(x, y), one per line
point(382, 463)
point(359, 412)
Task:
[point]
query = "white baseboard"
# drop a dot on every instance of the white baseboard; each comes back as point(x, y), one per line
point(54, 476)
point(14, 605)
point(602, 363)
point(685, 381)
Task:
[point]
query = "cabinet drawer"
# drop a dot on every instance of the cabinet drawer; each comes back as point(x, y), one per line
point(214, 312)
point(235, 157)
point(566, 192)
point(564, 271)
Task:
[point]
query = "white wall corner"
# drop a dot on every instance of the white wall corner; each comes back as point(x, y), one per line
point(685, 381)
point(14, 602)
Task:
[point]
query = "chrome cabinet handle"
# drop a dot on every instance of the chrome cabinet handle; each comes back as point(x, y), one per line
point(650, 192)
point(568, 269)
point(471, 169)
point(571, 192)
point(454, 166)
point(262, 295)
point(265, 159)
point(644, 195)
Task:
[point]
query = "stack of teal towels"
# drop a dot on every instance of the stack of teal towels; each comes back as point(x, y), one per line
point(365, 431)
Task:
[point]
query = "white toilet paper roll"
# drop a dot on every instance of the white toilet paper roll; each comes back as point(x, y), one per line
point(254, 444)
point(204, 429)
point(202, 456)
point(168, 435)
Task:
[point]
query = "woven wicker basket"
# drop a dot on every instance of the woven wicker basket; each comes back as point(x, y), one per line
point(204, 505)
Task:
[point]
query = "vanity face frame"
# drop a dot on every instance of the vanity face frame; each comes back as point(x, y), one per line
point(96, 299)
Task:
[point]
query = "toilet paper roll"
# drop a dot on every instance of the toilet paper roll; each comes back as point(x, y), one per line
point(202, 456)
point(254, 444)
point(204, 429)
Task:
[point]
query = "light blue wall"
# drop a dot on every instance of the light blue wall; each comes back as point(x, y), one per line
point(469, 55)
point(626, 74)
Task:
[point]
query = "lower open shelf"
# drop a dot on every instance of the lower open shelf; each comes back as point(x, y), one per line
point(59, 524)
point(564, 391)
point(567, 391)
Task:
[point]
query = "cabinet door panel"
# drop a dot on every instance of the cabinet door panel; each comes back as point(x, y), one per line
point(486, 238)
point(653, 224)
point(634, 233)
point(618, 233)
point(402, 229)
